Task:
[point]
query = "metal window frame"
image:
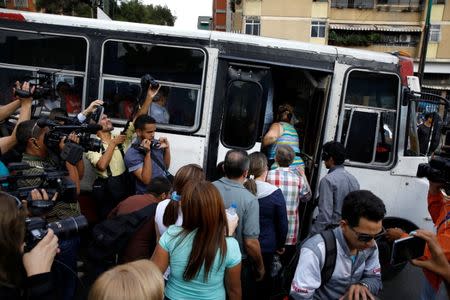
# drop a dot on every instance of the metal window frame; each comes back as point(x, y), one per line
point(61, 71)
point(199, 88)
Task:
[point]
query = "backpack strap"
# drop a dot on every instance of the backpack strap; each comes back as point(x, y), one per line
point(330, 256)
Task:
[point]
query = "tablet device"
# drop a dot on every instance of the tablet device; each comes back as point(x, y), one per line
point(406, 249)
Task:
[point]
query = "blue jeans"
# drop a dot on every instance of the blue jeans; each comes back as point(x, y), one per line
point(65, 268)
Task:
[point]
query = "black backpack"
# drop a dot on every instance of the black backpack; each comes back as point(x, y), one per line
point(330, 256)
point(110, 237)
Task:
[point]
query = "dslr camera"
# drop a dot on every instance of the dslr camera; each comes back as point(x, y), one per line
point(436, 170)
point(37, 228)
point(154, 144)
point(147, 81)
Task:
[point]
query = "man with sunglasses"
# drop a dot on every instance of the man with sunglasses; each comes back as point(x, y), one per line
point(333, 188)
point(356, 273)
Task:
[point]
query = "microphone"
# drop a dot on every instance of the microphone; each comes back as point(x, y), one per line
point(91, 128)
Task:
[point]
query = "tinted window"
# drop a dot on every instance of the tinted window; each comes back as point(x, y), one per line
point(370, 116)
point(40, 50)
point(242, 113)
point(371, 89)
point(164, 63)
point(178, 108)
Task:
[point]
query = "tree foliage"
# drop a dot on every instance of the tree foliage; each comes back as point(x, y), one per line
point(136, 11)
point(125, 10)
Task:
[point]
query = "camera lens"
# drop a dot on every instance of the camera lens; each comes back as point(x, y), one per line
point(68, 227)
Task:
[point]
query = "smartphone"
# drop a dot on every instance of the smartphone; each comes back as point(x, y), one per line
point(406, 249)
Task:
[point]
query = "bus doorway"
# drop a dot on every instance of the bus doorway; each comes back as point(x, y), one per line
point(246, 100)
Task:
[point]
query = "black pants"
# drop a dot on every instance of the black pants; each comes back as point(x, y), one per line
point(264, 288)
point(248, 282)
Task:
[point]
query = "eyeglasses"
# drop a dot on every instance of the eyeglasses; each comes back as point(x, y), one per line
point(365, 238)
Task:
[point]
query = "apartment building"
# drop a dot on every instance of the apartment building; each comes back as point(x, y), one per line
point(28, 5)
point(377, 25)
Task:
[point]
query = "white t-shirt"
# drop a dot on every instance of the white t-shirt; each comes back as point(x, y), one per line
point(160, 209)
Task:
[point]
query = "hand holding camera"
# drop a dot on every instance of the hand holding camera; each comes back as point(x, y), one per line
point(120, 139)
point(146, 145)
point(92, 107)
point(40, 259)
point(24, 91)
point(163, 143)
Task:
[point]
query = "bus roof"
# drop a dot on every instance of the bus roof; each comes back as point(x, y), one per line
point(197, 34)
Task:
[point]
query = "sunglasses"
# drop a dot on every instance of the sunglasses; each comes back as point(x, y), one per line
point(365, 238)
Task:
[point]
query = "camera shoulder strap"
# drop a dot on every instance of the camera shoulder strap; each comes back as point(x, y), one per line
point(159, 163)
point(108, 169)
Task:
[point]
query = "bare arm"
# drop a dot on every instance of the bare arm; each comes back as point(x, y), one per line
point(8, 142)
point(80, 169)
point(144, 174)
point(254, 251)
point(272, 135)
point(104, 161)
point(165, 144)
point(233, 282)
point(160, 258)
point(151, 93)
point(9, 109)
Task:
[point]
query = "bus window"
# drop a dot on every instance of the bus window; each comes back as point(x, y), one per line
point(242, 111)
point(58, 60)
point(370, 116)
point(180, 72)
point(42, 50)
point(120, 98)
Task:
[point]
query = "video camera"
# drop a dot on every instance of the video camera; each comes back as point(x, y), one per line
point(72, 152)
point(53, 181)
point(436, 170)
point(43, 85)
point(37, 228)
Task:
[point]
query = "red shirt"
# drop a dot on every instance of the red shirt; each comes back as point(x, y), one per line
point(439, 209)
point(143, 242)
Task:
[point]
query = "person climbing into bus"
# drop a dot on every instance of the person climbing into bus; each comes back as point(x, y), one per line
point(282, 132)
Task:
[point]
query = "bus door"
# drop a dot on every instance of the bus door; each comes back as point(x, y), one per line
point(242, 94)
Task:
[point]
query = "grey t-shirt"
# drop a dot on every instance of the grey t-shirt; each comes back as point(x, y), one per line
point(247, 209)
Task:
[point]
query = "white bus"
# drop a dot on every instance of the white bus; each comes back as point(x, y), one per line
point(223, 89)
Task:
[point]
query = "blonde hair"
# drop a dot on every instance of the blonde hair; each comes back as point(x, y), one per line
point(138, 280)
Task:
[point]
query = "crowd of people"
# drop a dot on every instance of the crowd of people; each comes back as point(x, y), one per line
point(232, 238)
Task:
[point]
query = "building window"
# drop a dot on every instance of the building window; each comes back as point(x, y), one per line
point(435, 33)
point(438, 1)
point(253, 26)
point(318, 29)
point(21, 3)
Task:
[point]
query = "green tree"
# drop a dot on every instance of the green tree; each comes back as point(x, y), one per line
point(136, 11)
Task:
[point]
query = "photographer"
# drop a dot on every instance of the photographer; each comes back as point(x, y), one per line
point(23, 276)
point(113, 183)
point(438, 206)
point(36, 154)
point(8, 142)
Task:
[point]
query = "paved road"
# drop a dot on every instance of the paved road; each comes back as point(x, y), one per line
point(407, 286)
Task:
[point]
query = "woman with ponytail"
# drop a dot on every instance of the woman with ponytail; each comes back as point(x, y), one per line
point(168, 211)
point(273, 221)
point(204, 263)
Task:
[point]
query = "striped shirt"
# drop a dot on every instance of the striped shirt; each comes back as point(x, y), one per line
point(290, 138)
point(290, 185)
point(61, 210)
